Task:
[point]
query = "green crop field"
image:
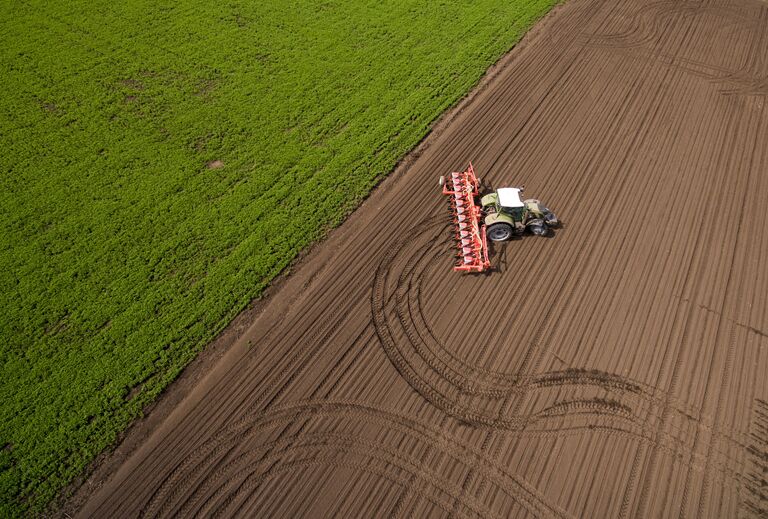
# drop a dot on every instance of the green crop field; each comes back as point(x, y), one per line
point(163, 161)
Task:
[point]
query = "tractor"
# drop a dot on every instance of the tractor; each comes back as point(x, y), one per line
point(506, 215)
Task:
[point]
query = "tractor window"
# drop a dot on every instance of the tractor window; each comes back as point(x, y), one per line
point(515, 212)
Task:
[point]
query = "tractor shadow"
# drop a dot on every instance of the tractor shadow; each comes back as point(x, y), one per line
point(498, 250)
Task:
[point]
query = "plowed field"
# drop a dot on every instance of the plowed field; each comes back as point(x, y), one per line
point(617, 369)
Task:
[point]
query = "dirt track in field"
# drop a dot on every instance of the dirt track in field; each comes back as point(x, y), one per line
point(617, 369)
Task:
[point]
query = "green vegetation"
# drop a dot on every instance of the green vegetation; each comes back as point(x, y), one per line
point(163, 161)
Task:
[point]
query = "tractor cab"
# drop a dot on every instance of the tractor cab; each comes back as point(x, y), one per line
point(505, 201)
point(509, 202)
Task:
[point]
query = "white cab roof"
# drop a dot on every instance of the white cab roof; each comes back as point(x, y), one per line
point(509, 197)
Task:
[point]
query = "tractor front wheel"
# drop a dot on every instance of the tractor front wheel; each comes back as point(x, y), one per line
point(537, 227)
point(499, 232)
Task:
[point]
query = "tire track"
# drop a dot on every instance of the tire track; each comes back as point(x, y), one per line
point(245, 466)
point(471, 380)
point(463, 379)
point(164, 501)
point(755, 502)
point(641, 40)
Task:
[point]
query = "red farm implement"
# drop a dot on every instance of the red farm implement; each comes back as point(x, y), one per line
point(462, 188)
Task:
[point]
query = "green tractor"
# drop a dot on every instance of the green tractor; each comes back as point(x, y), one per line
point(507, 215)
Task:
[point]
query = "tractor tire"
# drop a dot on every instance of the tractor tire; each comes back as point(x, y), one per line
point(499, 232)
point(537, 227)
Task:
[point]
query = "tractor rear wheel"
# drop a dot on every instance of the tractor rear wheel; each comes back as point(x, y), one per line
point(499, 232)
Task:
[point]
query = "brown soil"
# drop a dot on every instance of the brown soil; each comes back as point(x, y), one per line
point(617, 369)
